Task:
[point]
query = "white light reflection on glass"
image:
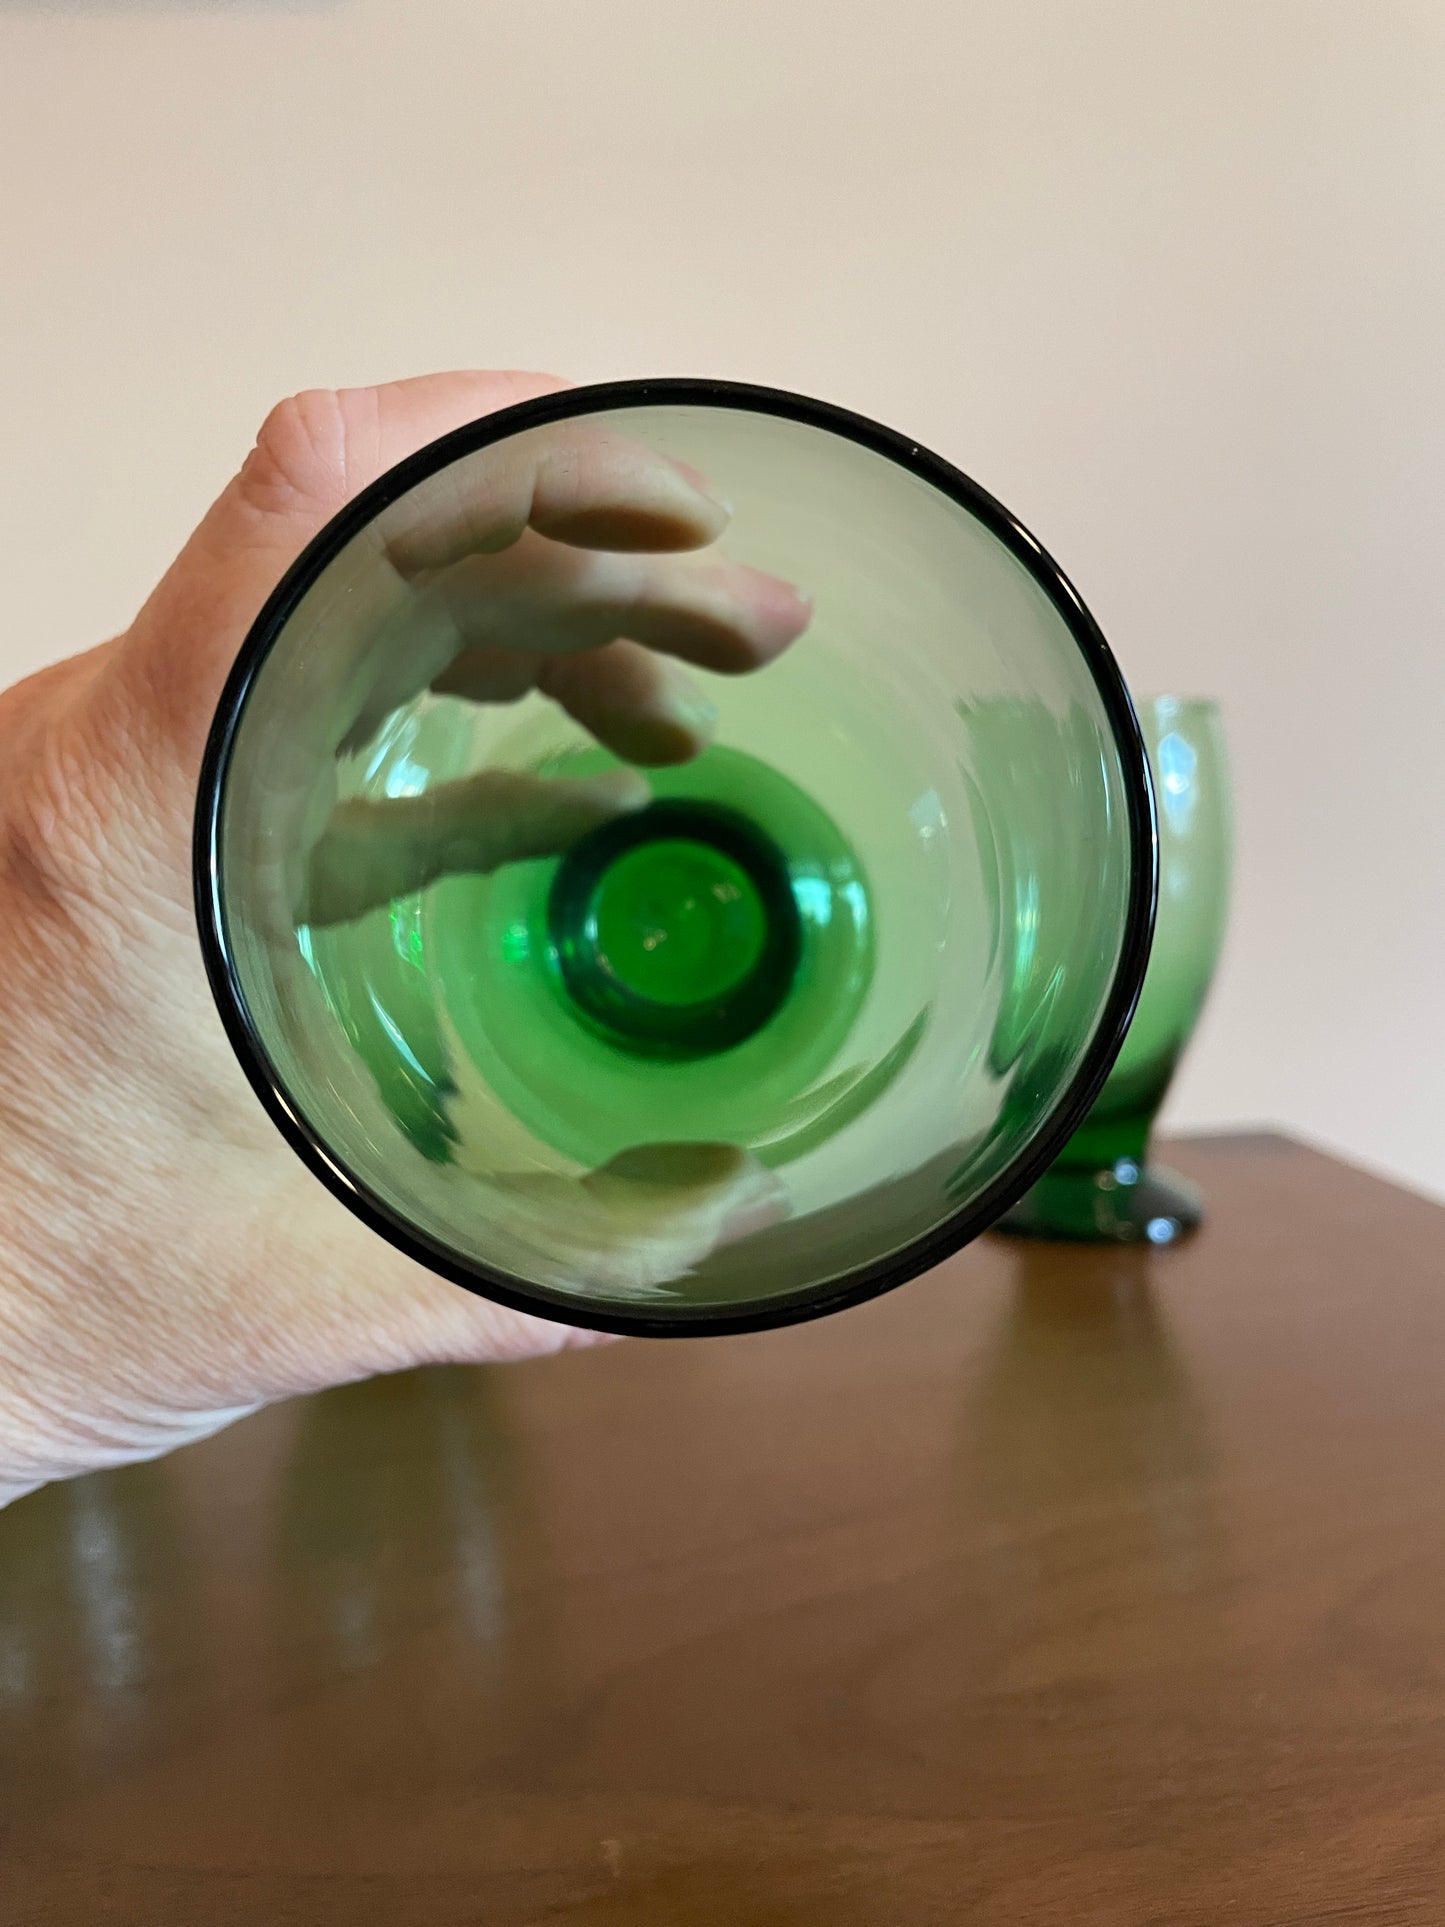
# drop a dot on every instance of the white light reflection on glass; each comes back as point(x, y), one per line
point(404, 1050)
point(1026, 925)
point(856, 897)
point(814, 898)
point(928, 817)
point(395, 737)
point(1177, 763)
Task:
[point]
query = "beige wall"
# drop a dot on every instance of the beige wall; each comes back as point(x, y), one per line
point(1167, 275)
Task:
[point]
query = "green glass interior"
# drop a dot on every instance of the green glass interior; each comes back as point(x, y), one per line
point(864, 942)
point(676, 931)
point(1103, 1186)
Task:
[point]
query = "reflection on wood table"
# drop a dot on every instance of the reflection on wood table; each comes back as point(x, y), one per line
point(1062, 1586)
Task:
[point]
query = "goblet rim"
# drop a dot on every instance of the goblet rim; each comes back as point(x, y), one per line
point(650, 1319)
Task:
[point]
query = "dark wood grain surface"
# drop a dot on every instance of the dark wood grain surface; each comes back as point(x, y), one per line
point(1058, 1587)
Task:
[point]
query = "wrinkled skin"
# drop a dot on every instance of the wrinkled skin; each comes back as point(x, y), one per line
point(166, 1262)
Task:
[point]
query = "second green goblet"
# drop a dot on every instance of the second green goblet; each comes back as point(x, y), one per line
point(1103, 1187)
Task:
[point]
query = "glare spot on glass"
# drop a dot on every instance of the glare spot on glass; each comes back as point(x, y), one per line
point(516, 942)
point(306, 946)
point(406, 937)
point(1026, 924)
point(928, 816)
point(1161, 1231)
point(396, 736)
point(403, 1049)
point(405, 778)
point(1176, 764)
point(814, 899)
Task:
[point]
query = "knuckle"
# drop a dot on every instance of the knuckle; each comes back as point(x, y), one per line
point(299, 459)
point(46, 863)
point(57, 821)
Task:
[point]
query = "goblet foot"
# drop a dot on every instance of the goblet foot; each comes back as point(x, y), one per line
point(1123, 1203)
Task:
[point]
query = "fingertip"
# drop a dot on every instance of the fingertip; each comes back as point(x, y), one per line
point(629, 500)
point(641, 705)
point(764, 616)
point(788, 610)
point(615, 792)
point(630, 528)
point(676, 730)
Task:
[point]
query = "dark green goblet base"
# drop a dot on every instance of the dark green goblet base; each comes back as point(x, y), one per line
point(1123, 1203)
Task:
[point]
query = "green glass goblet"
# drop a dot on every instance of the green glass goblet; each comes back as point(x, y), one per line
point(1103, 1187)
point(800, 1013)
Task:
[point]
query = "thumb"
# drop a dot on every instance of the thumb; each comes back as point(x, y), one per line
point(637, 1226)
point(313, 453)
point(631, 1230)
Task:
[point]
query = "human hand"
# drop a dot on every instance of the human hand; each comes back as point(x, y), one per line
point(166, 1262)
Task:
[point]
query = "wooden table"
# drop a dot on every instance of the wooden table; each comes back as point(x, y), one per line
point(1060, 1587)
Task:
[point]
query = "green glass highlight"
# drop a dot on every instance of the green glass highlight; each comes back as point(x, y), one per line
point(591, 1087)
point(1103, 1186)
point(676, 930)
point(866, 945)
point(676, 924)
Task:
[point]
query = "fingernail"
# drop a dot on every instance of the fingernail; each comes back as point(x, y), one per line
point(692, 710)
point(619, 790)
point(697, 480)
point(676, 725)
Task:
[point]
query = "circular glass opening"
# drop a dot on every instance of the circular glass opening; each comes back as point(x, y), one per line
point(664, 1033)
